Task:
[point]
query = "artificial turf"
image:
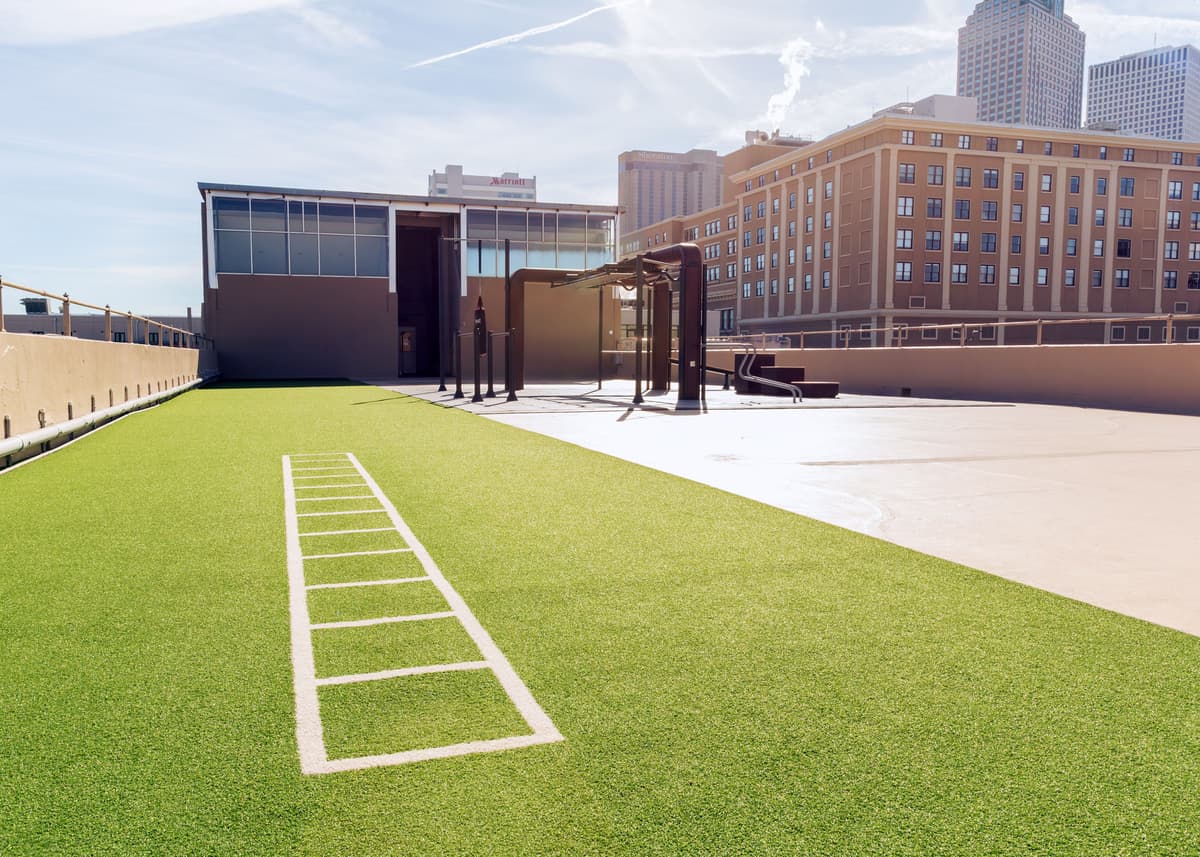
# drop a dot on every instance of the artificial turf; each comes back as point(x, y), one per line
point(729, 678)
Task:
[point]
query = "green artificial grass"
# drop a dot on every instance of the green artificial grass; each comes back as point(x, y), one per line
point(365, 602)
point(729, 678)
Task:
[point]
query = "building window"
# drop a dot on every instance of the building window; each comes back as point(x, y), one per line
point(1097, 278)
point(808, 282)
point(991, 144)
point(1125, 186)
point(1014, 276)
point(762, 209)
point(904, 206)
point(1173, 219)
point(791, 228)
point(775, 232)
point(732, 221)
point(1124, 247)
point(933, 239)
point(935, 139)
point(760, 235)
point(987, 242)
point(1075, 151)
point(1117, 334)
point(962, 209)
point(1072, 246)
point(962, 176)
point(774, 260)
point(1069, 278)
point(1174, 190)
point(827, 250)
point(1127, 155)
point(808, 252)
point(829, 190)
point(791, 284)
point(760, 262)
point(1043, 276)
point(747, 214)
point(1104, 153)
point(775, 205)
point(1196, 187)
point(1014, 245)
point(1170, 279)
point(906, 137)
point(1100, 216)
point(1048, 149)
point(1018, 180)
point(1194, 251)
point(1098, 247)
point(904, 239)
point(1194, 280)
point(1171, 250)
point(1044, 245)
point(1044, 214)
point(933, 207)
point(908, 173)
point(991, 178)
point(1125, 217)
point(864, 331)
point(934, 174)
point(808, 225)
point(1143, 333)
point(774, 287)
point(792, 197)
point(791, 257)
point(1073, 216)
point(1177, 159)
point(987, 275)
point(808, 195)
point(747, 262)
point(929, 333)
point(828, 220)
point(759, 288)
point(1101, 186)
point(747, 238)
point(933, 272)
point(1073, 184)
point(958, 273)
point(1047, 182)
point(960, 242)
point(904, 272)
point(1020, 146)
point(991, 209)
point(825, 279)
point(964, 141)
point(1018, 212)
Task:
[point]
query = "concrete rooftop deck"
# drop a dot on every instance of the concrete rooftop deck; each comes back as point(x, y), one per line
point(1091, 504)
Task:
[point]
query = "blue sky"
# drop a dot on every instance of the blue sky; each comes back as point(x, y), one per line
point(113, 111)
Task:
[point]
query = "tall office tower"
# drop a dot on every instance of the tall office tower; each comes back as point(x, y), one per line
point(1023, 61)
point(1154, 93)
point(652, 186)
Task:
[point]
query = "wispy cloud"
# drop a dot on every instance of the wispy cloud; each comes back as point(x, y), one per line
point(521, 36)
point(333, 31)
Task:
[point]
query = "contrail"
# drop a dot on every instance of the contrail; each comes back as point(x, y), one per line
point(525, 34)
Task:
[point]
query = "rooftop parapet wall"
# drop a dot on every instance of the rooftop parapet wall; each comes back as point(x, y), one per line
point(63, 377)
point(1142, 377)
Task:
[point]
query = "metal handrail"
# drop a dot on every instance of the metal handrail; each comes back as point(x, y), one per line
point(130, 317)
point(762, 339)
point(750, 351)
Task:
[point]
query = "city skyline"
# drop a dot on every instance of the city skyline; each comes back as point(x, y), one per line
point(122, 111)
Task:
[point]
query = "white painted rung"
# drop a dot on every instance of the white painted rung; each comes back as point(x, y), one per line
point(353, 512)
point(493, 745)
point(318, 456)
point(366, 583)
point(382, 620)
point(338, 467)
point(356, 553)
point(347, 497)
point(344, 532)
point(298, 478)
point(332, 485)
point(435, 668)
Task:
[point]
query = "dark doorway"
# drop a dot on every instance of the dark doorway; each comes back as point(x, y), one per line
point(417, 299)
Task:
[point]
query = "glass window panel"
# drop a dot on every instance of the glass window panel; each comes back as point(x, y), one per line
point(481, 224)
point(268, 215)
point(571, 256)
point(481, 258)
point(302, 217)
point(370, 219)
point(541, 255)
point(516, 257)
point(372, 256)
point(599, 228)
point(597, 256)
point(337, 252)
point(549, 227)
point(270, 252)
point(511, 224)
point(535, 226)
point(336, 218)
point(233, 252)
point(303, 250)
point(572, 229)
point(229, 213)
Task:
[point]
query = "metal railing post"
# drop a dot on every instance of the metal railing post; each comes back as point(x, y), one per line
point(1, 303)
point(491, 390)
point(478, 397)
point(508, 384)
point(66, 308)
point(107, 323)
point(1170, 331)
point(1039, 331)
point(129, 328)
point(962, 336)
point(458, 390)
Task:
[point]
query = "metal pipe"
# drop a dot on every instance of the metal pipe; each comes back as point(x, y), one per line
point(599, 338)
point(639, 273)
point(491, 390)
point(458, 390)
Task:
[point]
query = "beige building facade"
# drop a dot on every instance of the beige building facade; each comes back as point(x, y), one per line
point(908, 220)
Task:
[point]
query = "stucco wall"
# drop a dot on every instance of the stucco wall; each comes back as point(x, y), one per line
point(1136, 377)
point(45, 373)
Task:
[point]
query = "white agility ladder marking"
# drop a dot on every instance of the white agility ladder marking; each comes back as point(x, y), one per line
point(310, 739)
